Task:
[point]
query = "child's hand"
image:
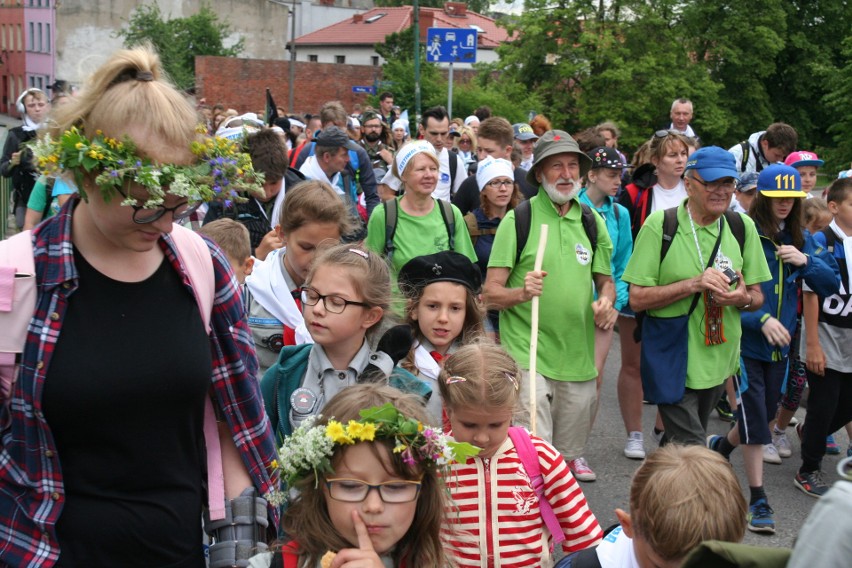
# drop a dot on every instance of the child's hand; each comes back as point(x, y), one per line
point(362, 557)
point(270, 242)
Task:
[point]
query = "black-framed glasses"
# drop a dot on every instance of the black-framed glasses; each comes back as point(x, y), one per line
point(332, 302)
point(727, 186)
point(355, 490)
point(144, 215)
point(498, 183)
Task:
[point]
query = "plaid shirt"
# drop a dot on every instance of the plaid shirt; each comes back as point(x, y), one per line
point(31, 487)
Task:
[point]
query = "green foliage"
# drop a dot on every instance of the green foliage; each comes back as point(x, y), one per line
point(179, 40)
point(478, 6)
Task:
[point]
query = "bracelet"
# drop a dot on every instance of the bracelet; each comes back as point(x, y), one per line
point(747, 306)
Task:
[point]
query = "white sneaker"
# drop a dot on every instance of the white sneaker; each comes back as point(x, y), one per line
point(782, 444)
point(770, 454)
point(635, 446)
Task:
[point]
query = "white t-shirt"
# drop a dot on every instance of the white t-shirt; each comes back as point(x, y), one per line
point(668, 198)
point(442, 190)
point(616, 550)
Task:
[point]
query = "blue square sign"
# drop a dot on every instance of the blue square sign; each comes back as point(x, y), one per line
point(451, 45)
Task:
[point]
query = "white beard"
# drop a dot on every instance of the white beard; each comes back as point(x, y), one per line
point(557, 196)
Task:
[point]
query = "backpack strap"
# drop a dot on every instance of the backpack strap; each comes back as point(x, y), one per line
point(472, 226)
point(746, 150)
point(529, 459)
point(449, 221)
point(196, 258)
point(737, 226)
point(590, 225)
point(523, 218)
point(670, 224)
point(830, 239)
point(453, 160)
point(391, 217)
point(18, 292)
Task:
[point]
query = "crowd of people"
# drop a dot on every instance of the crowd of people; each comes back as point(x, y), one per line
point(398, 337)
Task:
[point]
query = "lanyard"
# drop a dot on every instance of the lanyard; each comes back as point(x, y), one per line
point(695, 236)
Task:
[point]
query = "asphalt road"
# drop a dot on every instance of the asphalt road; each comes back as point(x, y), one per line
point(611, 490)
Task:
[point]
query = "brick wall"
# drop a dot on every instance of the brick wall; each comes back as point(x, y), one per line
point(241, 83)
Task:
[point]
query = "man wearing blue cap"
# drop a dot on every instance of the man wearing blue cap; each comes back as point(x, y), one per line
point(700, 280)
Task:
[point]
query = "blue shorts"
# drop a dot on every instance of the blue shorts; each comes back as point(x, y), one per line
point(760, 390)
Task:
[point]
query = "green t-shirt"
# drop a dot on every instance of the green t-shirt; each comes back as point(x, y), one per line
point(566, 338)
point(707, 366)
point(417, 236)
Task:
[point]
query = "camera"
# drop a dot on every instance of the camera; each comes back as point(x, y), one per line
point(733, 277)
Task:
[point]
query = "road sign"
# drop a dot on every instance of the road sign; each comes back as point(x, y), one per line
point(364, 89)
point(451, 45)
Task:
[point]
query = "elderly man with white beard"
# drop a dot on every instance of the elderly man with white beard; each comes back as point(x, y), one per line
point(576, 294)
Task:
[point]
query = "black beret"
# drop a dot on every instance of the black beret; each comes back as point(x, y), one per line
point(445, 266)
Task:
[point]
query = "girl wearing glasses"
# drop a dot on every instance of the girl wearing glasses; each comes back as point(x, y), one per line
point(102, 459)
point(344, 299)
point(369, 492)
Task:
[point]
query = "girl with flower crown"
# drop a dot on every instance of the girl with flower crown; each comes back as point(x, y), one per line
point(102, 459)
point(343, 299)
point(369, 492)
point(537, 506)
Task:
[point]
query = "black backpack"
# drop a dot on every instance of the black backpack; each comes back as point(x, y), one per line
point(523, 218)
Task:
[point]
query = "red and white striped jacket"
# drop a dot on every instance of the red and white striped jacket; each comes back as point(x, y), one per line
point(493, 519)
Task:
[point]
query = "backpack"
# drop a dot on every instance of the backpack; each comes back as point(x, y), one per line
point(453, 160)
point(529, 459)
point(19, 302)
point(523, 218)
point(746, 148)
point(474, 230)
point(392, 218)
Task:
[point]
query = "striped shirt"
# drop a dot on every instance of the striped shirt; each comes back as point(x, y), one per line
point(494, 519)
point(31, 484)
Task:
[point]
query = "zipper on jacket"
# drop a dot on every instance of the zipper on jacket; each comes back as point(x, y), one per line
point(489, 544)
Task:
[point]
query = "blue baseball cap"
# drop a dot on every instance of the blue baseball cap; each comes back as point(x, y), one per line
point(712, 163)
point(779, 180)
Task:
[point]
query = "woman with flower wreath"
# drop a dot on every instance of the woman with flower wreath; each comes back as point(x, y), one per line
point(102, 449)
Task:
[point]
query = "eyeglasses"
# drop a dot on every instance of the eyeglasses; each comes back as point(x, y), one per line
point(664, 133)
point(355, 490)
point(464, 141)
point(498, 183)
point(333, 303)
point(726, 186)
point(144, 215)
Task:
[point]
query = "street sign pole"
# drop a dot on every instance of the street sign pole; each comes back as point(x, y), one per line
point(416, 10)
point(450, 93)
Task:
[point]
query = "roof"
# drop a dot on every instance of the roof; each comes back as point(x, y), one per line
point(373, 26)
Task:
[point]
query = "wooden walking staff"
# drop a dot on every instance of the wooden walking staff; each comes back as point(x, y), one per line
point(539, 256)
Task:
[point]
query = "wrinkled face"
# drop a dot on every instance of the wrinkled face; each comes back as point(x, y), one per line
point(337, 161)
point(709, 198)
point(440, 313)
point(559, 176)
point(681, 115)
point(485, 428)
point(387, 523)
point(437, 133)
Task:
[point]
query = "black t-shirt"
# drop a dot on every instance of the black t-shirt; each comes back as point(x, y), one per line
point(124, 398)
point(467, 197)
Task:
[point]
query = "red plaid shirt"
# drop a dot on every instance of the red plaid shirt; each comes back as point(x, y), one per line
point(31, 487)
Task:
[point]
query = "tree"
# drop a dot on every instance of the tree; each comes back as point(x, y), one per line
point(179, 40)
point(478, 6)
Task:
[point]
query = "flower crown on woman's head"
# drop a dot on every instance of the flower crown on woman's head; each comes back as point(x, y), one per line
point(223, 172)
point(310, 448)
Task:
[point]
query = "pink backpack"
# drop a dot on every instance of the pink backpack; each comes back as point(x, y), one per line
point(529, 459)
point(18, 291)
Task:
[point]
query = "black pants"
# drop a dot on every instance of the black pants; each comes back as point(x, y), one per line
point(829, 408)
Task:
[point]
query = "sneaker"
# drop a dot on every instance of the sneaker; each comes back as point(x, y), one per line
point(811, 483)
point(782, 444)
point(760, 518)
point(793, 421)
point(581, 470)
point(723, 409)
point(770, 454)
point(658, 436)
point(635, 446)
point(832, 448)
point(713, 442)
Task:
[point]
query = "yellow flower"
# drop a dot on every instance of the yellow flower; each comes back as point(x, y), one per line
point(399, 448)
point(99, 132)
point(78, 145)
point(335, 431)
point(362, 432)
point(93, 154)
point(419, 426)
point(53, 158)
point(274, 464)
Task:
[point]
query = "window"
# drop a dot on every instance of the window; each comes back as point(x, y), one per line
point(375, 60)
point(20, 42)
point(312, 58)
point(2, 36)
point(39, 44)
point(47, 38)
point(375, 18)
point(31, 37)
point(340, 59)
